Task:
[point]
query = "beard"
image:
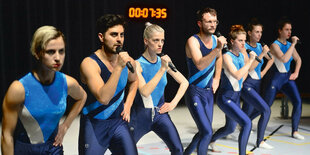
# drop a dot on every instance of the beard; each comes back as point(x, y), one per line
point(209, 31)
point(107, 49)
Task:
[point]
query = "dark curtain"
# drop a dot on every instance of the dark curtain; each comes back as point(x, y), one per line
point(77, 18)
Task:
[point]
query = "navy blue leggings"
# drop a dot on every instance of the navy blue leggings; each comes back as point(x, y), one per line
point(200, 104)
point(281, 82)
point(96, 136)
point(252, 100)
point(31, 149)
point(229, 103)
point(162, 125)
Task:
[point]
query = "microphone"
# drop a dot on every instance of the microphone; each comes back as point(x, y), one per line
point(225, 48)
point(299, 42)
point(170, 64)
point(256, 58)
point(128, 64)
point(270, 56)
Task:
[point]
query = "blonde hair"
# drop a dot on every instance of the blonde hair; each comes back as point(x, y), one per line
point(41, 37)
point(150, 29)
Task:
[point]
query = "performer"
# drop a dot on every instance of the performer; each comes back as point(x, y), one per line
point(104, 122)
point(251, 86)
point(150, 111)
point(34, 104)
point(282, 79)
point(235, 70)
point(204, 61)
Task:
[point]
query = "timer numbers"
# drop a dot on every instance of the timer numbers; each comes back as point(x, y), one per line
point(157, 13)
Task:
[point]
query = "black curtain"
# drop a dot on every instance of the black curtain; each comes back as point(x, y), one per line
point(77, 18)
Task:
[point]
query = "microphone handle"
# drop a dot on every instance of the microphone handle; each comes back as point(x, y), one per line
point(173, 68)
point(268, 53)
point(256, 58)
point(128, 64)
point(170, 64)
point(270, 56)
point(225, 48)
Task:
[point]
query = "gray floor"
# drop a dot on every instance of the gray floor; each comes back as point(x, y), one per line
point(283, 144)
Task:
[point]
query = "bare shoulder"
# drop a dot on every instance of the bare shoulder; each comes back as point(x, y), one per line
point(138, 67)
point(88, 63)
point(192, 40)
point(88, 69)
point(15, 94)
point(71, 81)
point(274, 46)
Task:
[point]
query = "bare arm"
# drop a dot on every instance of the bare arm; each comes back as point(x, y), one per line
point(193, 51)
point(267, 67)
point(90, 75)
point(276, 51)
point(261, 56)
point(181, 91)
point(298, 61)
point(78, 94)
point(146, 89)
point(132, 90)
point(242, 72)
point(12, 102)
point(218, 71)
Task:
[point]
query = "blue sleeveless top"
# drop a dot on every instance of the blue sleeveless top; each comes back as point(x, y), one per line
point(43, 107)
point(148, 72)
point(94, 109)
point(283, 67)
point(203, 78)
point(228, 82)
point(256, 73)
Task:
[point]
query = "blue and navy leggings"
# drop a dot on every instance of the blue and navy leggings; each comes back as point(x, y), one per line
point(200, 104)
point(252, 100)
point(281, 82)
point(229, 103)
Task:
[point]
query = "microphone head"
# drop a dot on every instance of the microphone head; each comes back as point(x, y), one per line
point(119, 49)
point(160, 54)
point(248, 50)
point(218, 34)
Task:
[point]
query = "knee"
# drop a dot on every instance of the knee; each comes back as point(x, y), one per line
point(177, 150)
point(246, 125)
point(206, 133)
point(266, 112)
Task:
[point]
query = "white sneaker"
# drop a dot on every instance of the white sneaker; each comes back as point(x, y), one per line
point(264, 145)
point(213, 148)
point(298, 136)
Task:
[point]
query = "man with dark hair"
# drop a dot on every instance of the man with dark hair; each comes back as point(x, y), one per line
point(104, 122)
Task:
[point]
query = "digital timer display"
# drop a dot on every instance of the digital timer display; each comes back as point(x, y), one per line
point(145, 12)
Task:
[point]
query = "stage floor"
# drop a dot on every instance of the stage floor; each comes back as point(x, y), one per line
point(281, 140)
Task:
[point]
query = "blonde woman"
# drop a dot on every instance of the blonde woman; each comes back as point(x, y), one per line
point(34, 104)
point(150, 110)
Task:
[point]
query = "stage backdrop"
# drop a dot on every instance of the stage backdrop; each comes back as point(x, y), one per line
point(76, 18)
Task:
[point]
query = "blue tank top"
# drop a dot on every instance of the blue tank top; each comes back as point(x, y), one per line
point(148, 72)
point(95, 109)
point(43, 107)
point(283, 67)
point(203, 78)
point(256, 73)
point(228, 82)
